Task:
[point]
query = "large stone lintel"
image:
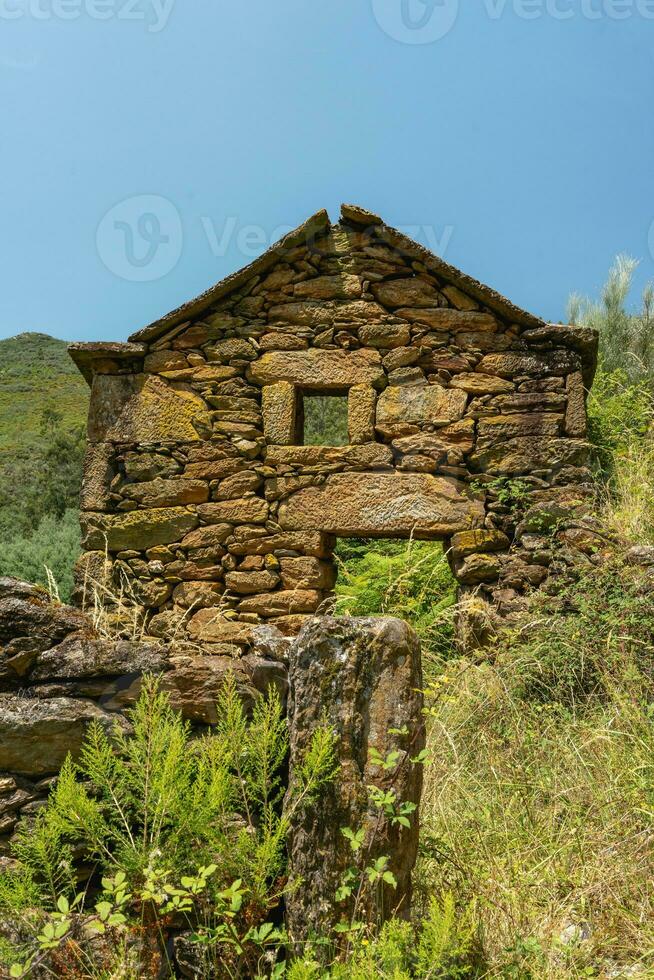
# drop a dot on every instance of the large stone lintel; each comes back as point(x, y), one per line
point(319, 370)
point(383, 504)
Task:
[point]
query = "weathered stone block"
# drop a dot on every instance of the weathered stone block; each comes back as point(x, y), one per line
point(479, 541)
point(556, 362)
point(207, 537)
point(362, 677)
point(137, 530)
point(451, 321)
point(477, 568)
point(248, 510)
point(198, 595)
point(364, 504)
point(384, 335)
point(576, 420)
point(522, 455)
point(143, 409)
point(167, 493)
point(321, 315)
point(99, 470)
point(329, 287)
point(237, 485)
point(367, 456)
point(279, 404)
point(282, 603)
point(142, 467)
point(211, 626)
point(250, 583)
point(405, 292)
point(361, 405)
point(231, 349)
point(414, 405)
point(37, 734)
point(320, 370)
point(309, 543)
point(499, 428)
point(480, 384)
point(307, 573)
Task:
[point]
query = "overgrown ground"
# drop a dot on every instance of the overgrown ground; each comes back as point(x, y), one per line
point(537, 825)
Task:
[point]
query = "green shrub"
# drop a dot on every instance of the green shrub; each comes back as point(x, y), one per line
point(53, 545)
point(149, 807)
point(408, 579)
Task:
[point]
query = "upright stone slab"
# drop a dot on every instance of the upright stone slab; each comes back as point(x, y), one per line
point(363, 678)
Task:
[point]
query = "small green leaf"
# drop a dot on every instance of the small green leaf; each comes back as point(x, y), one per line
point(63, 905)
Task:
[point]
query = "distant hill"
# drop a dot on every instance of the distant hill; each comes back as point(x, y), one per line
point(36, 374)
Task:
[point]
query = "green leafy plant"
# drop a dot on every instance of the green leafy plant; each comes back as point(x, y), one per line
point(145, 805)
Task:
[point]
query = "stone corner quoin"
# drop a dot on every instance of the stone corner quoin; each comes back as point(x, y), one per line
point(199, 496)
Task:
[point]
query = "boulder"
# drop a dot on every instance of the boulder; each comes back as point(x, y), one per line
point(80, 656)
point(37, 734)
point(362, 678)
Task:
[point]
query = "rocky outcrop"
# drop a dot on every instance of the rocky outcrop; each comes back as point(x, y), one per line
point(57, 676)
point(362, 678)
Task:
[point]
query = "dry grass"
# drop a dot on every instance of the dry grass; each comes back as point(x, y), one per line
point(539, 804)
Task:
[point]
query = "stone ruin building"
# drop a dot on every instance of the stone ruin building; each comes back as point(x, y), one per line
point(200, 500)
point(204, 509)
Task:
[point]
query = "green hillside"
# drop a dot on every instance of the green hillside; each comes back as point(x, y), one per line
point(36, 374)
point(43, 407)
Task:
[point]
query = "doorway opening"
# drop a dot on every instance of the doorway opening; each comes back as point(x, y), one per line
point(408, 579)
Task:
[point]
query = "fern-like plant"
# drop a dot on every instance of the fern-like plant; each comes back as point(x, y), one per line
point(149, 806)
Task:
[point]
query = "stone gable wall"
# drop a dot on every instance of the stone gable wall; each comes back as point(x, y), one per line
point(202, 505)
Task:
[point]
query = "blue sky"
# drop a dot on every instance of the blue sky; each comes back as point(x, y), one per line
point(150, 147)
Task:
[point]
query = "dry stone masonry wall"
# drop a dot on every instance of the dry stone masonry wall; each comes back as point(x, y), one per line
point(202, 505)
